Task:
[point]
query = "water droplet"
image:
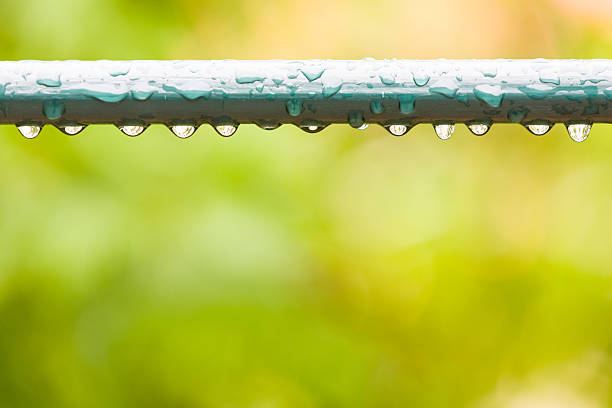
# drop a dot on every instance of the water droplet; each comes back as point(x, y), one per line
point(312, 128)
point(490, 94)
point(312, 73)
point(397, 130)
point(294, 107)
point(132, 130)
point(249, 79)
point(141, 95)
point(538, 91)
point(488, 71)
point(119, 72)
point(446, 87)
point(538, 129)
point(29, 132)
point(517, 115)
point(110, 97)
point(387, 78)
point(463, 97)
point(579, 131)
point(72, 130)
point(53, 109)
point(550, 77)
point(355, 119)
point(479, 129)
point(331, 85)
point(421, 78)
point(50, 82)
point(364, 126)
point(444, 130)
point(268, 124)
point(226, 130)
point(189, 94)
point(377, 107)
point(406, 104)
point(183, 131)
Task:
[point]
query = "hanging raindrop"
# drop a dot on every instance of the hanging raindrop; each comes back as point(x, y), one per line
point(397, 130)
point(183, 131)
point(312, 128)
point(269, 127)
point(29, 132)
point(294, 107)
point(226, 130)
point(268, 124)
point(579, 131)
point(72, 130)
point(539, 129)
point(355, 119)
point(444, 130)
point(132, 130)
point(376, 107)
point(479, 129)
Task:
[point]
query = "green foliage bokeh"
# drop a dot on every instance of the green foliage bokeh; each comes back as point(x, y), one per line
point(285, 269)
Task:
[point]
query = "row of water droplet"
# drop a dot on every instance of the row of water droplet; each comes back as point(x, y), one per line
point(182, 131)
point(444, 130)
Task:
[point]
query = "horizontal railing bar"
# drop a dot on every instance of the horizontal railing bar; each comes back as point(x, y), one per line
point(310, 94)
point(297, 91)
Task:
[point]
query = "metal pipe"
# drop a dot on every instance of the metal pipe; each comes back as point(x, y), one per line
point(310, 94)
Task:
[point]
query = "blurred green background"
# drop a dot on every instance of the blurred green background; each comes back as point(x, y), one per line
point(285, 269)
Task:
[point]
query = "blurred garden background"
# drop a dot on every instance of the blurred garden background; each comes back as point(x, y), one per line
point(285, 269)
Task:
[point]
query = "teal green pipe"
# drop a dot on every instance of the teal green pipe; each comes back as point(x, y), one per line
point(310, 94)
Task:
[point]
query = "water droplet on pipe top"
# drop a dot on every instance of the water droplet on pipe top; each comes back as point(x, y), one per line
point(421, 78)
